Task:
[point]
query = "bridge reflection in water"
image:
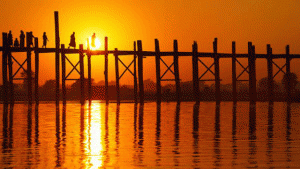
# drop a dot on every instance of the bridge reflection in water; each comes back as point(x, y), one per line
point(151, 135)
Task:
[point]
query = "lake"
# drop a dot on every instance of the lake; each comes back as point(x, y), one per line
point(169, 135)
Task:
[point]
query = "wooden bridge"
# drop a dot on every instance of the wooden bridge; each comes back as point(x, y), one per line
point(138, 56)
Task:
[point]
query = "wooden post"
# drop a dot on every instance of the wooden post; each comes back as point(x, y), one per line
point(140, 71)
point(134, 73)
point(106, 70)
point(4, 68)
point(288, 72)
point(82, 97)
point(270, 73)
point(89, 75)
point(195, 73)
point(10, 76)
point(158, 80)
point(117, 74)
point(217, 71)
point(36, 76)
point(254, 73)
point(234, 87)
point(57, 42)
point(252, 78)
point(176, 71)
point(29, 78)
point(63, 73)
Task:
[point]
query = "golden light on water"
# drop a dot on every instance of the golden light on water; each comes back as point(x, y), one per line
point(94, 140)
point(97, 43)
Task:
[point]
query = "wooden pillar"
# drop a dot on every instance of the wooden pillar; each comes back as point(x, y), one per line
point(217, 70)
point(134, 73)
point(270, 73)
point(106, 70)
point(82, 97)
point(10, 76)
point(89, 76)
point(29, 78)
point(176, 71)
point(117, 74)
point(195, 73)
point(252, 76)
point(140, 71)
point(234, 87)
point(36, 76)
point(63, 73)
point(57, 42)
point(4, 68)
point(288, 72)
point(157, 63)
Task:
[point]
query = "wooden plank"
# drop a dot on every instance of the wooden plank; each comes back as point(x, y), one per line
point(82, 97)
point(234, 80)
point(157, 64)
point(140, 71)
point(217, 70)
point(195, 73)
point(117, 75)
point(176, 70)
point(63, 73)
point(36, 76)
point(57, 43)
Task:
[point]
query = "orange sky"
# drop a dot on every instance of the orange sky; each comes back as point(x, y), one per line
point(275, 22)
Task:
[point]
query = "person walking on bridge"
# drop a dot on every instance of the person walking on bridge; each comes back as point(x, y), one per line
point(45, 39)
point(93, 40)
point(22, 39)
point(72, 41)
point(10, 39)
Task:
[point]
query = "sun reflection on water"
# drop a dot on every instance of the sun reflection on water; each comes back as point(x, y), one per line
point(94, 148)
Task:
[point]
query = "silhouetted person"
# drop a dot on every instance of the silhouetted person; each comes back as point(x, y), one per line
point(16, 43)
point(10, 39)
point(72, 42)
point(22, 39)
point(30, 39)
point(93, 40)
point(45, 39)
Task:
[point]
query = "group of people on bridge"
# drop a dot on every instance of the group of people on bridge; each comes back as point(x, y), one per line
point(21, 44)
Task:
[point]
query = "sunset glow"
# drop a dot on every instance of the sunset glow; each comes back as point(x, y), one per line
point(97, 43)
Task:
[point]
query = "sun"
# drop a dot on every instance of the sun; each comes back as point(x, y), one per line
point(97, 43)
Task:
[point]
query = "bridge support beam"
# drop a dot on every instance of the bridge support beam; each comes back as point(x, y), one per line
point(140, 71)
point(234, 79)
point(176, 71)
point(195, 73)
point(36, 76)
point(82, 81)
point(158, 79)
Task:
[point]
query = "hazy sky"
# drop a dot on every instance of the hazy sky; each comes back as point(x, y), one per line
point(124, 21)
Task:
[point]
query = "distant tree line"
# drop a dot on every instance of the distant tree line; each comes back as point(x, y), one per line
point(207, 92)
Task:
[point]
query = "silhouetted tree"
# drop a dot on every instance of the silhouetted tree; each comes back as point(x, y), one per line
point(25, 82)
point(263, 84)
point(292, 79)
point(48, 89)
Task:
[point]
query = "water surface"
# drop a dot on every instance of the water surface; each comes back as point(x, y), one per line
point(169, 135)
